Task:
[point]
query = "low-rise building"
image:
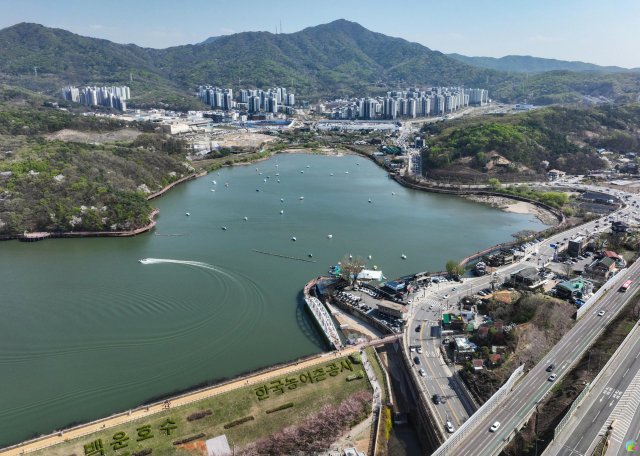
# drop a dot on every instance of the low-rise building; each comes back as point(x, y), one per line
point(577, 245)
point(619, 228)
point(393, 309)
point(575, 288)
point(555, 174)
point(463, 346)
point(477, 364)
point(602, 268)
point(501, 258)
point(528, 277)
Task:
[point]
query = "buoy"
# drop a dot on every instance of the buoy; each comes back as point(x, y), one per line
point(282, 212)
point(350, 257)
point(375, 267)
point(393, 193)
point(310, 255)
point(330, 236)
point(265, 180)
point(224, 227)
point(302, 197)
point(281, 200)
point(187, 214)
point(369, 256)
point(246, 218)
point(369, 200)
point(294, 239)
point(226, 185)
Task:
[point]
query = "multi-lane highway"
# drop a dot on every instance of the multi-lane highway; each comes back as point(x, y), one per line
point(531, 389)
point(535, 384)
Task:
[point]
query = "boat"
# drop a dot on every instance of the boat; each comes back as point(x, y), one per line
point(187, 214)
point(261, 174)
point(369, 256)
point(256, 170)
point(331, 174)
point(393, 193)
point(282, 200)
point(302, 197)
point(375, 267)
point(330, 236)
point(351, 257)
point(358, 164)
point(212, 190)
point(141, 261)
point(226, 185)
point(224, 227)
point(307, 166)
point(265, 180)
point(278, 181)
point(310, 255)
point(301, 172)
point(369, 200)
point(257, 189)
point(282, 212)
point(246, 218)
point(268, 177)
point(294, 239)
point(218, 174)
point(277, 174)
point(346, 172)
point(215, 183)
point(404, 257)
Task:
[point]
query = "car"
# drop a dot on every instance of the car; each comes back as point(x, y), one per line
point(449, 427)
point(431, 307)
point(454, 288)
point(601, 313)
point(418, 328)
point(551, 367)
point(436, 399)
point(416, 360)
point(445, 296)
point(553, 377)
point(446, 340)
point(495, 426)
point(422, 372)
point(413, 349)
point(510, 289)
point(419, 350)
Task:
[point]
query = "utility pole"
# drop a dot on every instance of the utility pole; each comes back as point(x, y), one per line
point(538, 440)
point(589, 364)
point(130, 77)
point(35, 71)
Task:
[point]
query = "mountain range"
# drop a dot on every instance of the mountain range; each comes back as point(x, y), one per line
point(528, 64)
point(340, 58)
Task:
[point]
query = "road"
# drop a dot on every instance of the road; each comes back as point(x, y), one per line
point(439, 376)
point(609, 399)
point(533, 387)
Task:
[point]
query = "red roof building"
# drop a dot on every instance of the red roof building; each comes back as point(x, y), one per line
point(610, 254)
point(483, 331)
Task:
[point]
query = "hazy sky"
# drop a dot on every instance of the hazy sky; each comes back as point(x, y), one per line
point(604, 32)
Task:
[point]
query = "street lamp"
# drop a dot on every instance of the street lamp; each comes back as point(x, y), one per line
point(538, 440)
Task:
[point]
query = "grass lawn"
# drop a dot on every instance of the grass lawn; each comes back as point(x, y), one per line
point(227, 407)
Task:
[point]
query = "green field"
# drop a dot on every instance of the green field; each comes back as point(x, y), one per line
point(225, 408)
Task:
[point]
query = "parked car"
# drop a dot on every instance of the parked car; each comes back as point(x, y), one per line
point(422, 372)
point(419, 350)
point(416, 360)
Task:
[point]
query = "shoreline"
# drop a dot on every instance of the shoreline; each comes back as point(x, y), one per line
point(517, 207)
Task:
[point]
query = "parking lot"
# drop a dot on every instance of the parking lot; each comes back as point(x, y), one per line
point(577, 264)
point(367, 301)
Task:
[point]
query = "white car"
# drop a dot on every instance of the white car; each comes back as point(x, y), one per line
point(422, 372)
point(495, 426)
point(553, 377)
point(413, 349)
point(445, 296)
point(449, 427)
point(419, 350)
point(601, 313)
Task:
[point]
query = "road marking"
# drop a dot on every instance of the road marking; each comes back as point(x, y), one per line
point(595, 417)
point(625, 373)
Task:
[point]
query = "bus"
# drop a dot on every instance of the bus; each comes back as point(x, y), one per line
point(625, 286)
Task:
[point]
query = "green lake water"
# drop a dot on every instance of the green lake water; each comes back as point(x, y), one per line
point(86, 330)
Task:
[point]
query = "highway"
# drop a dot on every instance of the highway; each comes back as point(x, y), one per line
point(616, 391)
point(535, 385)
point(438, 379)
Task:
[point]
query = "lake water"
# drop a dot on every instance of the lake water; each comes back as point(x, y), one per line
point(86, 330)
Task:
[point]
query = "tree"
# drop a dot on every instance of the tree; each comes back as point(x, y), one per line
point(351, 268)
point(494, 184)
point(524, 188)
point(453, 268)
point(568, 270)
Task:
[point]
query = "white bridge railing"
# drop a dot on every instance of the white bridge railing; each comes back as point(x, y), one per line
point(324, 320)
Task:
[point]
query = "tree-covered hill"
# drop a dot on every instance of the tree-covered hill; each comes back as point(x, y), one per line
point(555, 137)
point(335, 59)
point(529, 64)
point(61, 186)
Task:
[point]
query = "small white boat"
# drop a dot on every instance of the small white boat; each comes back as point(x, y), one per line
point(346, 172)
point(212, 190)
point(215, 183)
point(282, 212)
point(294, 239)
point(351, 257)
point(330, 236)
point(276, 166)
point(310, 255)
point(218, 174)
point(302, 197)
point(369, 256)
point(246, 218)
point(187, 214)
point(277, 174)
point(224, 227)
point(301, 172)
point(307, 166)
point(256, 170)
point(331, 174)
point(404, 257)
point(261, 174)
point(265, 180)
point(393, 193)
point(282, 200)
point(278, 181)
point(369, 200)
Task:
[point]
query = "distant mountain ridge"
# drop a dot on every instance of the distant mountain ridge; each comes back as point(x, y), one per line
point(529, 64)
point(337, 59)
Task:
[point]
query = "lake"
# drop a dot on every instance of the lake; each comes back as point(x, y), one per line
point(86, 330)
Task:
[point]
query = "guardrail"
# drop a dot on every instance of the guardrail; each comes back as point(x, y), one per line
point(469, 426)
point(574, 405)
point(593, 299)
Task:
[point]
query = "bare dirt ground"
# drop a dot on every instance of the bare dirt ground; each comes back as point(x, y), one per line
point(126, 135)
point(518, 207)
point(251, 140)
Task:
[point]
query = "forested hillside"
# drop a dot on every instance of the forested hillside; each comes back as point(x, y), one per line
point(61, 186)
point(336, 59)
point(532, 142)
